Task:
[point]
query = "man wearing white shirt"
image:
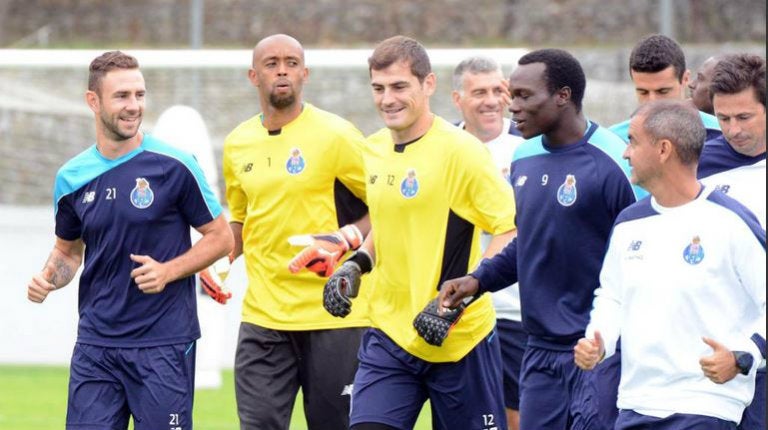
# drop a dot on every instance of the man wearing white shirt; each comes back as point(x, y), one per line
point(735, 162)
point(682, 283)
point(481, 94)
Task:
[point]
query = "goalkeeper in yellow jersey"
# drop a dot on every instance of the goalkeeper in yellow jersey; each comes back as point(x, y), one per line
point(290, 170)
point(431, 189)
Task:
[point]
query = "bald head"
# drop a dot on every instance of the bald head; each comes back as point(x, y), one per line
point(699, 85)
point(278, 71)
point(277, 41)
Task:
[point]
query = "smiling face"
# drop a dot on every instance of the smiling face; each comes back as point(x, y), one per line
point(742, 119)
point(403, 101)
point(278, 71)
point(533, 108)
point(119, 104)
point(481, 104)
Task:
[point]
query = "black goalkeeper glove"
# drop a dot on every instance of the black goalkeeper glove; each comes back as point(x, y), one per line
point(435, 321)
point(344, 284)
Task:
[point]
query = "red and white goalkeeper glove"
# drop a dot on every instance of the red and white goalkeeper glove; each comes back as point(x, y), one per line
point(212, 279)
point(323, 251)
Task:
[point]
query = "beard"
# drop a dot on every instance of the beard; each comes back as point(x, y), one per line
point(111, 125)
point(282, 102)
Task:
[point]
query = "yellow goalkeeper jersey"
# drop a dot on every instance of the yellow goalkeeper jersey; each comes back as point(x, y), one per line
point(429, 200)
point(283, 183)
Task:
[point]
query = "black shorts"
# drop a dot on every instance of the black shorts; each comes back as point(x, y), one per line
point(271, 366)
point(512, 338)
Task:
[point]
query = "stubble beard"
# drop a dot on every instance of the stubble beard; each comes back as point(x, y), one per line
point(114, 129)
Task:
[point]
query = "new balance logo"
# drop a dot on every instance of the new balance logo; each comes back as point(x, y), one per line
point(520, 181)
point(89, 196)
point(372, 179)
point(248, 167)
point(633, 250)
point(723, 188)
point(347, 390)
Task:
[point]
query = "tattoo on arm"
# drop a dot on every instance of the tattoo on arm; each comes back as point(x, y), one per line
point(59, 270)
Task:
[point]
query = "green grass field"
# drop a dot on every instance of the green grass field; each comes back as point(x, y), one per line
point(35, 398)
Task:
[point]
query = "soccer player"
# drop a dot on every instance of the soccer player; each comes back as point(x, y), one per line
point(735, 164)
point(128, 202)
point(570, 183)
point(683, 282)
point(657, 69)
point(292, 169)
point(480, 93)
point(432, 188)
point(699, 86)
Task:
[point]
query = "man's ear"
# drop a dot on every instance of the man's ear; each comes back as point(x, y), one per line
point(685, 80)
point(430, 84)
point(92, 100)
point(665, 148)
point(253, 77)
point(456, 97)
point(563, 96)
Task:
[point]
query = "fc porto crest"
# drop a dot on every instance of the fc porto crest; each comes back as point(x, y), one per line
point(295, 163)
point(694, 252)
point(567, 193)
point(142, 195)
point(409, 187)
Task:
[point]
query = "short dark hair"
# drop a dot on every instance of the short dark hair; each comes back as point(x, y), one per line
point(401, 48)
point(655, 53)
point(562, 70)
point(107, 62)
point(735, 73)
point(677, 121)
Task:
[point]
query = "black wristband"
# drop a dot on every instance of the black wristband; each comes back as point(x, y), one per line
point(363, 260)
point(744, 361)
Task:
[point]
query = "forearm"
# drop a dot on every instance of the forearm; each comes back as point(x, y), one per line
point(217, 241)
point(498, 272)
point(606, 318)
point(62, 264)
point(237, 232)
point(363, 224)
point(498, 242)
point(367, 246)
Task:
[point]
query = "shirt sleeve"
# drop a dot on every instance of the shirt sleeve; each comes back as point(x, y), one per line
point(606, 306)
point(481, 196)
point(197, 202)
point(68, 224)
point(498, 272)
point(749, 256)
point(351, 168)
point(237, 200)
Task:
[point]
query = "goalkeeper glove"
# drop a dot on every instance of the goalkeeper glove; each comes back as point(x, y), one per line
point(345, 284)
point(323, 251)
point(435, 321)
point(212, 279)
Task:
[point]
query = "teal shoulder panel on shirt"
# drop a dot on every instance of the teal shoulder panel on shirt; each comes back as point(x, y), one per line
point(82, 169)
point(621, 129)
point(152, 144)
point(529, 148)
point(710, 121)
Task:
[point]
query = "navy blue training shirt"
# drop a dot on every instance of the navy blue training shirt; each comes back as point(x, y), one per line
point(142, 203)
